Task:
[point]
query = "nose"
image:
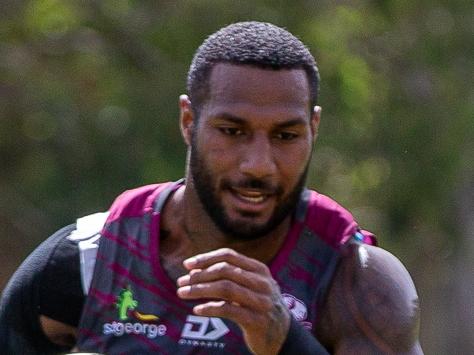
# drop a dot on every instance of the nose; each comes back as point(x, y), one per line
point(258, 160)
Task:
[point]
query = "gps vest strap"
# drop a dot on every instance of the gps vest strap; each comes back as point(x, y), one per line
point(87, 234)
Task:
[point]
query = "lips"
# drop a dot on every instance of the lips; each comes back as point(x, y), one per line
point(251, 201)
point(250, 196)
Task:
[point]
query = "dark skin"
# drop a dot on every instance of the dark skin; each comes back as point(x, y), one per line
point(372, 306)
point(257, 123)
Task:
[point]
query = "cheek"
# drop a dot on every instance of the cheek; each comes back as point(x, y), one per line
point(216, 157)
point(217, 151)
point(220, 160)
point(293, 161)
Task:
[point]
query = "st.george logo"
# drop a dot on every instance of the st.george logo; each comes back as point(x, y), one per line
point(126, 306)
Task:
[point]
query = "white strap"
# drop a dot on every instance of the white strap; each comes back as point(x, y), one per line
point(87, 234)
point(88, 226)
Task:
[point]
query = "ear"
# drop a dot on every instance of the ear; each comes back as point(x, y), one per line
point(186, 118)
point(315, 119)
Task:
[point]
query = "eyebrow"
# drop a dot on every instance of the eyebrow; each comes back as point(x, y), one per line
point(238, 120)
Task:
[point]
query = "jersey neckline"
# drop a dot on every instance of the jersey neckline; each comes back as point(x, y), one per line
point(277, 262)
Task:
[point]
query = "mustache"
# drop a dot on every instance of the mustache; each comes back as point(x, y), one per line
point(255, 184)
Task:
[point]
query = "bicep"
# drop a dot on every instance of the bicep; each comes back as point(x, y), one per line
point(372, 304)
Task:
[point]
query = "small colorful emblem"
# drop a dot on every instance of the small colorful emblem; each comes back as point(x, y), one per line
point(127, 305)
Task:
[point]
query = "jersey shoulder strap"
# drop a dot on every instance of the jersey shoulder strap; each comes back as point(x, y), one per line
point(334, 224)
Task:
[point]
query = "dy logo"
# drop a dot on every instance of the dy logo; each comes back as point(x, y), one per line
point(203, 328)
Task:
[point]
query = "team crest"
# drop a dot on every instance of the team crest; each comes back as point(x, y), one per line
point(298, 309)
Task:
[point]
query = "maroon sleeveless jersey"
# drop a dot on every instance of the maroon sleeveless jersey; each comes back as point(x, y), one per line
point(132, 307)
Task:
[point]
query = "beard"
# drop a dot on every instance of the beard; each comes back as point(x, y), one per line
point(207, 190)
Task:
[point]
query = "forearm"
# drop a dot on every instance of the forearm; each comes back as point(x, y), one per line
point(301, 342)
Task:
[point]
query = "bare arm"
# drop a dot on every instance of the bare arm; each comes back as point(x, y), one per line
point(372, 306)
point(59, 333)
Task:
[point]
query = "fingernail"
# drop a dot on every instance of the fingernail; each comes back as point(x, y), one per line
point(183, 280)
point(183, 291)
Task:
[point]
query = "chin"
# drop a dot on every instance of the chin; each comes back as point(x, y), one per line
point(244, 230)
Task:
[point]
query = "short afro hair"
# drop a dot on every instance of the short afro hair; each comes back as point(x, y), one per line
point(260, 44)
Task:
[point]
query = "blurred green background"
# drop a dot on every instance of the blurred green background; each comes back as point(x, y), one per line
point(88, 108)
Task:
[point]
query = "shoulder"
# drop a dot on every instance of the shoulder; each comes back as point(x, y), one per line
point(331, 221)
point(47, 272)
point(50, 271)
point(32, 269)
point(135, 202)
point(372, 303)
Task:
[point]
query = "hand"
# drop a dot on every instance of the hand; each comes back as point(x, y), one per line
point(243, 291)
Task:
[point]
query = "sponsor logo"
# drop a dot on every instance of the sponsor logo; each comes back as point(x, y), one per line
point(118, 329)
point(145, 324)
point(298, 309)
point(203, 332)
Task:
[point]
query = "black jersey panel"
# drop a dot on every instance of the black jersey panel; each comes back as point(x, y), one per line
point(20, 303)
point(60, 295)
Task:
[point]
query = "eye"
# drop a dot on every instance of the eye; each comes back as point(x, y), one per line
point(286, 136)
point(231, 131)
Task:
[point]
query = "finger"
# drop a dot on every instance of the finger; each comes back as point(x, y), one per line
point(224, 270)
point(228, 291)
point(222, 309)
point(225, 254)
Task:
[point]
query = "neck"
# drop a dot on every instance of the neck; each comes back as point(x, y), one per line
point(191, 227)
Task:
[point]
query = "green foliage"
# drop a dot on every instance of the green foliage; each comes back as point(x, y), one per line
point(89, 89)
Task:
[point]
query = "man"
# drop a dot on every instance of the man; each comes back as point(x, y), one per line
point(237, 258)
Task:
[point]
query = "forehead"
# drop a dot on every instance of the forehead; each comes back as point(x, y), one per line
point(254, 87)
